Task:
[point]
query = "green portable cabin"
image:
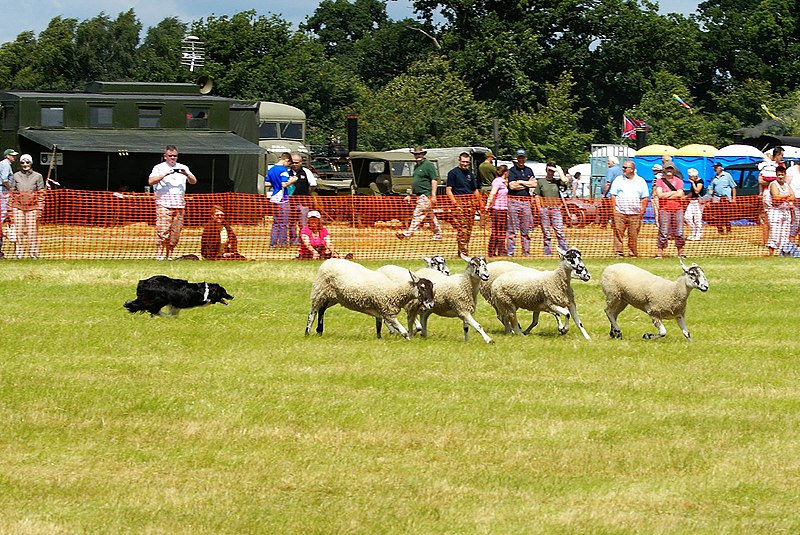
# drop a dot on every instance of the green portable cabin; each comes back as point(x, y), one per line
point(110, 136)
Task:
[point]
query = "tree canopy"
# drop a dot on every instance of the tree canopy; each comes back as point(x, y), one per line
point(556, 74)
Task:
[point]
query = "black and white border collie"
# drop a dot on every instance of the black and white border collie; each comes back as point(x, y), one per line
point(161, 291)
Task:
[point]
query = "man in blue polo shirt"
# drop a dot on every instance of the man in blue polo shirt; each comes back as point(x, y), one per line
point(521, 184)
point(462, 190)
point(723, 195)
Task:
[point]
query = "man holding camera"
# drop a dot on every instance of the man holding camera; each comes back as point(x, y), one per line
point(169, 180)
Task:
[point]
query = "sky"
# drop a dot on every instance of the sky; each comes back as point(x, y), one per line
point(35, 15)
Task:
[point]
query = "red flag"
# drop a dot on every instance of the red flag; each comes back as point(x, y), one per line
point(629, 127)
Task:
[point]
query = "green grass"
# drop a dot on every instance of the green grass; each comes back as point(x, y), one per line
point(229, 420)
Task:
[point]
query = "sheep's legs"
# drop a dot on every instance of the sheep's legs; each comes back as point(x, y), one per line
point(425, 315)
point(311, 315)
point(534, 323)
point(398, 327)
point(612, 315)
point(682, 324)
point(468, 319)
point(573, 310)
point(662, 331)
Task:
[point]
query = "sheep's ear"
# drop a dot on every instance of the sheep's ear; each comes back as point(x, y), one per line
point(683, 266)
point(427, 260)
point(414, 278)
point(464, 257)
point(561, 252)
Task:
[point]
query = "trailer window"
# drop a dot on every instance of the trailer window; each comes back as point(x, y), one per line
point(52, 116)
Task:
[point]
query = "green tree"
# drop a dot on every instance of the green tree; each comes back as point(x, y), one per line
point(106, 49)
point(757, 39)
point(339, 24)
point(158, 57)
point(430, 105)
point(551, 131)
point(54, 57)
point(670, 123)
point(16, 61)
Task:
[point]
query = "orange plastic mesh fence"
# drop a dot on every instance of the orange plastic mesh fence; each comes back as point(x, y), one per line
point(76, 224)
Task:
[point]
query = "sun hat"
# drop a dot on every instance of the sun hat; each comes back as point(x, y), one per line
point(419, 149)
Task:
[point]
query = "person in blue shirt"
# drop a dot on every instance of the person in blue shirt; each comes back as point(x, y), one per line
point(279, 180)
point(723, 196)
point(521, 184)
point(462, 190)
point(6, 172)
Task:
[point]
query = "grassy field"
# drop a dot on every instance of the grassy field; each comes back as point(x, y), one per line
point(229, 420)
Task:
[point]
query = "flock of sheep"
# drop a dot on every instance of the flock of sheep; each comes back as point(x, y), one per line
point(505, 285)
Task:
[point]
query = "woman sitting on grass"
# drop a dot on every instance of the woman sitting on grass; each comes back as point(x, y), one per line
point(315, 240)
point(219, 241)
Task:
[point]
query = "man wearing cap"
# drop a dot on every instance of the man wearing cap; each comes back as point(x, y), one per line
point(424, 183)
point(628, 201)
point(669, 191)
point(6, 174)
point(487, 172)
point(548, 201)
point(462, 190)
point(723, 195)
point(521, 184)
point(27, 200)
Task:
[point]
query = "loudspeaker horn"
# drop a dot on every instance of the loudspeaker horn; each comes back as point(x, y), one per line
point(205, 84)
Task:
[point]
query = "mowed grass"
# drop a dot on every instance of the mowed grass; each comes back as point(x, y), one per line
point(230, 420)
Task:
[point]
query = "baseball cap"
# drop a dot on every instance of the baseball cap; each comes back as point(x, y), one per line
point(717, 164)
point(314, 213)
point(10, 152)
point(521, 152)
point(669, 165)
point(657, 167)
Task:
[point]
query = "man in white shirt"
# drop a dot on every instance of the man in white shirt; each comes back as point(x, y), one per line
point(169, 180)
point(628, 200)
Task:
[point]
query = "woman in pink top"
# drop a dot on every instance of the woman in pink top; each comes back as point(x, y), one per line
point(497, 206)
point(315, 242)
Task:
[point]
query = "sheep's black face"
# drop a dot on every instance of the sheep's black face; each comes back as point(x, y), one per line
point(573, 257)
point(424, 291)
point(438, 263)
point(697, 278)
point(478, 266)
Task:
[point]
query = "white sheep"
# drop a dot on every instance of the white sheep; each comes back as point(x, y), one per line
point(499, 267)
point(435, 266)
point(659, 298)
point(358, 288)
point(456, 296)
point(540, 291)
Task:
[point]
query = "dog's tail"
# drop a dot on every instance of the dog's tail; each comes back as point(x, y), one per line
point(134, 306)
